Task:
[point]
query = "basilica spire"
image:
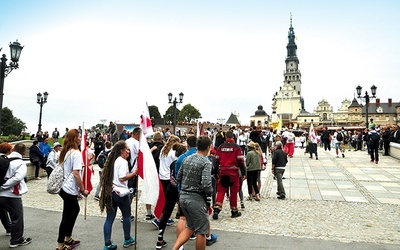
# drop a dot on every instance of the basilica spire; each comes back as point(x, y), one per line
point(291, 47)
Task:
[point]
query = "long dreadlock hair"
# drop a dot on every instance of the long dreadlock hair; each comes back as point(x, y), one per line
point(107, 176)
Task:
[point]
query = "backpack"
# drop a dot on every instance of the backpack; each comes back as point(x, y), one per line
point(4, 165)
point(339, 136)
point(374, 138)
point(56, 179)
point(264, 139)
point(101, 160)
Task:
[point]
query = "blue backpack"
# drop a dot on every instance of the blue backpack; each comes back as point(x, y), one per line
point(374, 138)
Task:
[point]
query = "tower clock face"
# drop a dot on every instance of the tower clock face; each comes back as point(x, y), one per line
point(292, 65)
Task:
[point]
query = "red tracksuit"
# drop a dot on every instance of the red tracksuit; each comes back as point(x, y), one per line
point(229, 160)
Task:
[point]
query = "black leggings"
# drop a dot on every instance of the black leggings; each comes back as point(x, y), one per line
point(171, 198)
point(252, 177)
point(70, 213)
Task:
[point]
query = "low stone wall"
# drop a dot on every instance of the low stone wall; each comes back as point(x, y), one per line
point(394, 150)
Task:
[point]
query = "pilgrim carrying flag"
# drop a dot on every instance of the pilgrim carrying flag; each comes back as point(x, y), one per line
point(152, 190)
point(87, 172)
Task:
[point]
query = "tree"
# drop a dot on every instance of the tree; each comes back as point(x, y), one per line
point(10, 125)
point(153, 112)
point(169, 114)
point(189, 113)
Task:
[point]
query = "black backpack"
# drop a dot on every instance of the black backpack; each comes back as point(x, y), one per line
point(4, 165)
point(101, 160)
point(339, 136)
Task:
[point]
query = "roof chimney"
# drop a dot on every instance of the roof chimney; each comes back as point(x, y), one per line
point(378, 102)
point(390, 102)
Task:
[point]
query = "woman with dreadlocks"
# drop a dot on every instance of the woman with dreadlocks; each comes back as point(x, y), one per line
point(115, 193)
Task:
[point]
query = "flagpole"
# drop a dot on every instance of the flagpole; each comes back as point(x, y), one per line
point(86, 172)
point(136, 205)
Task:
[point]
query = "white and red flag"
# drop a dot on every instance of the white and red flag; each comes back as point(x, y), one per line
point(152, 190)
point(87, 172)
point(145, 123)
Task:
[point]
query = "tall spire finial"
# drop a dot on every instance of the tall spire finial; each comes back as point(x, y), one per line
point(290, 19)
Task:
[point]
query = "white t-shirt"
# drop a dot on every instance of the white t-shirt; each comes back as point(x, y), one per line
point(133, 145)
point(72, 161)
point(121, 169)
point(165, 163)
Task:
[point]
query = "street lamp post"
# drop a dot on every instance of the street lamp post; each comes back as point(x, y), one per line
point(15, 51)
point(174, 102)
point(367, 98)
point(41, 99)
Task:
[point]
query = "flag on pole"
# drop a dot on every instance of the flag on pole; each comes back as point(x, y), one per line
point(87, 172)
point(152, 190)
point(145, 123)
point(197, 130)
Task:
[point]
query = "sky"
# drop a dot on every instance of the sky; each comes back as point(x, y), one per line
point(101, 61)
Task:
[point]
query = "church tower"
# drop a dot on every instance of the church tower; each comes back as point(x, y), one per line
point(287, 102)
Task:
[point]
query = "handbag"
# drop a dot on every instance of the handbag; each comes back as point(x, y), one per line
point(56, 179)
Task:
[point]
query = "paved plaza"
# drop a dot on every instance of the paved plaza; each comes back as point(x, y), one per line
point(332, 203)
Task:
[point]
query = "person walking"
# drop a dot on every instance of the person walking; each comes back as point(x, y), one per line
point(229, 161)
point(101, 160)
point(115, 193)
point(338, 138)
point(171, 198)
point(253, 168)
point(167, 156)
point(313, 148)
point(373, 138)
point(195, 195)
point(11, 196)
point(325, 138)
point(279, 160)
point(71, 157)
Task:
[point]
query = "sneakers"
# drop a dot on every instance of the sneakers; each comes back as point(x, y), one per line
point(130, 242)
point(170, 222)
point(65, 247)
point(193, 236)
point(72, 242)
point(149, 216)
point(213, 239)
point(342, 155)
point(235, 214)
point(8, 233)
point(161, 244)
point(281, 197)
point(215, 214)
point(38, 178)
point(242, 205)
point(156, 223)
point(96, 198)
point(22, 242)
point(111, 246)
point(132, 218)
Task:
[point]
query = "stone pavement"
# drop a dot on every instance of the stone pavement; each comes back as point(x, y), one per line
point(332, 203)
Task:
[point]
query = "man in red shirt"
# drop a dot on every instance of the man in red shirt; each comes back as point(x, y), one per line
point(229, 161)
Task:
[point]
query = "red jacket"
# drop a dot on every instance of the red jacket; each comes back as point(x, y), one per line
point(229, 157)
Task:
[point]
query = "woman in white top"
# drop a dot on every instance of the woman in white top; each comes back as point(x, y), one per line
point(167, 156)
point(115, 193)
point(72, 185)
